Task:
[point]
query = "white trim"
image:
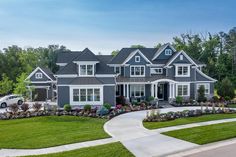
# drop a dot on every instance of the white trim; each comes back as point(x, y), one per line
point(181, 84)
point(140, 71)
point(38, 75)
point(204, 84)
point(61, 64)
point(86, 62)
point(86, 102)
point(86, 75)
point(120, 83)
point(40, 82)
point(137, 59)
point(181, 52)
point(66, 75)
point(204, 75)
point(134, 53)
point(182, 65)
point(36, 69)
point(163, 80)
point(46, 87)
point(105, 75)
point(157, 54)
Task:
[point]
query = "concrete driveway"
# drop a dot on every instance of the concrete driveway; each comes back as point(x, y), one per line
point(142, 142)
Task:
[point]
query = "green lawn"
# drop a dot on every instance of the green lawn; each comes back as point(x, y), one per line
point(232, 105)
point(40, 132)
point(206, 134)
point(107, 150)
point(189, 120)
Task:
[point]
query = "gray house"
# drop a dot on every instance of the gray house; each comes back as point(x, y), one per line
point(136, 73)
point(42, 84)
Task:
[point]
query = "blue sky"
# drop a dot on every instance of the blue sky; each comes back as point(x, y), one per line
point(106, 25)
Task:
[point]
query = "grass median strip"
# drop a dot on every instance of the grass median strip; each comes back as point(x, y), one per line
point(188, 120)
point(205, 134)
point(107, 150)
point(48, 131)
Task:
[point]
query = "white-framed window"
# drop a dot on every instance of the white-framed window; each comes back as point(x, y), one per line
point(39, 75)
point(86, 70)
point(206, 86)
point(137, 90)
point(137, 58)
point(156, 70)
point(182, 89)
point(86, 95)
point(137, 71)
point(117, 70)
point(168, 52)
point(182, 71)
point(181, 57)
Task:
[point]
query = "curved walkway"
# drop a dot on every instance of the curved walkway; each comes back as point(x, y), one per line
point(142, 142)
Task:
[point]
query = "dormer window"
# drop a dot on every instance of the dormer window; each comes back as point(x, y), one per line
point(86, 70)
point(168, 52)
point(181, 57)
point(38, 75)
point(137, 58)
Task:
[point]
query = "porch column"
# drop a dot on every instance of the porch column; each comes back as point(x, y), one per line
point(47, 91)
point(124, 90)
point(127, 91)
point(152, 90)
point(156, 90)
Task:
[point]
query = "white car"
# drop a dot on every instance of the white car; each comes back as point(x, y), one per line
point(11, 99)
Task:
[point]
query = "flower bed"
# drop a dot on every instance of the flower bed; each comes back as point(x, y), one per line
point(105, 111)
point(156, 116)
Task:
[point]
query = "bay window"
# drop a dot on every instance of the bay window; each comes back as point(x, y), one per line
point(137, 90)
point(182, 71)
point(86, 70)
point(137, 70)
point(183, 89)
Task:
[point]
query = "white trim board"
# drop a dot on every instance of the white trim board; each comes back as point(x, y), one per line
point(134, 53)
point(36, 69)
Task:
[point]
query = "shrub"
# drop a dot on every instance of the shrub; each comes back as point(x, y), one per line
point(226, 88)
point(25, 107)
point(179, 100)
point(151, 98)
point(87, 108)
point(201, 94)
point(227, 98)
point(102, 111)
point(118, 106)
point(121, 100)
point(67, 107)
point(13, 108)
point(107, 106)
point(37, 106)
point(215, 99)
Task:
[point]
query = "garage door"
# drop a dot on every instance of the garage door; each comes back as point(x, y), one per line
point(39, 94)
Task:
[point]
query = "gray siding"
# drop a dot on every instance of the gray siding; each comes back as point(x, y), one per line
point(147, 90)
point(184, 61)
point(44, 78)
point(109, 95)
point(63, 95)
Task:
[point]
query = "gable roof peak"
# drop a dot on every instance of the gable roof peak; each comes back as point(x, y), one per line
point(162, 48)
point(86, 55)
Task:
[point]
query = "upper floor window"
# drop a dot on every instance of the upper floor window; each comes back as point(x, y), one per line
point(156, 70)
point(137, 58)
point(168, 52)
point(206, 86)
point(117, 70)
point(86, 70)
point(182, 71)
point(38, 75)
point(181, 57)
point(137, 70)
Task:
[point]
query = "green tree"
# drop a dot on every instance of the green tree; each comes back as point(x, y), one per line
point(6, 85)
point(115, 52)
point(137, 46)
point(201, 94)
point(226, 88)
point(21, 85)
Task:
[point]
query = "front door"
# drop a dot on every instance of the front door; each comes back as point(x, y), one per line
point(160, 91)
